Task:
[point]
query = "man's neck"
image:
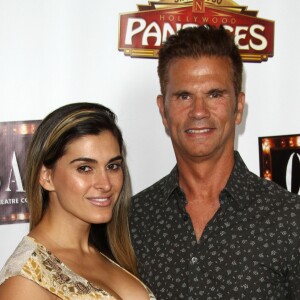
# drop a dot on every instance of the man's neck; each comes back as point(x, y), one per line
point(206, 177)
point(202, 183)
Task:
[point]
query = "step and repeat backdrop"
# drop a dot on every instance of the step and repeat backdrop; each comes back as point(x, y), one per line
point(57, 52)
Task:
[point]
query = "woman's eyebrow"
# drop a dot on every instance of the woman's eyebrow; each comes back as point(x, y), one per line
point(84, 159)
point(119, 157)
point(91, 160)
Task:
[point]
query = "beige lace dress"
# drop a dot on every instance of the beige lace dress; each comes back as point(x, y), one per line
point(34, 262)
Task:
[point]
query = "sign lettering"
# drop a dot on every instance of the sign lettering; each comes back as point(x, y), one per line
point(142, 33)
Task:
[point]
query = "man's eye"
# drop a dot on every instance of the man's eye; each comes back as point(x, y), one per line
point(184, 96)
point(84, 169)
point(215, 94)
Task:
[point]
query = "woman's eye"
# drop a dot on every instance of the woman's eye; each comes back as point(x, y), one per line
point(114, 166)
point(84, 169)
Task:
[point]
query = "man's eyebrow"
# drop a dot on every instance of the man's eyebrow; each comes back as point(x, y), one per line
point(92, 160)
point(180, 92)
point(216, 90)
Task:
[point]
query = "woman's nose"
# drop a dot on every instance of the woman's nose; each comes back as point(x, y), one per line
point(102, 181)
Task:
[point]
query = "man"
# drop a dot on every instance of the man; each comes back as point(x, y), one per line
point(211, 229)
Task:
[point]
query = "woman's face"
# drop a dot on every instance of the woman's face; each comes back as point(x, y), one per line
point(86, 181)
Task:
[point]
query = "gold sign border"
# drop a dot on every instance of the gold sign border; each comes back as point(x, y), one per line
point(153, 53)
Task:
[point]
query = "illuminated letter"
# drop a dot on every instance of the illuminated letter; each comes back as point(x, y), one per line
point(16, 171)
point(168, 30)
point(293, 162)
point(130, 32)
point(198, 6)
point(264, 43)
point(239, 37)
point(229, 28)
point(156, 34)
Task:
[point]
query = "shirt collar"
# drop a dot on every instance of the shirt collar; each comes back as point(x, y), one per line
point(237, 184)
point(236, 187)
point(170, 184)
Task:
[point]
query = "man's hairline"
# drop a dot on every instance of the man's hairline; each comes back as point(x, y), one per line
point(195, 58)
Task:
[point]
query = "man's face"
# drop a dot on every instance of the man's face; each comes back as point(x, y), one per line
point(200, 109)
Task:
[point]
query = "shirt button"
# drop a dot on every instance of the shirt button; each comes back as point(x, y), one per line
point(194, 260)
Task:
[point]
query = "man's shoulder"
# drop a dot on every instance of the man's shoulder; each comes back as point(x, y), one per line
point(273, 191)
point(154, 189)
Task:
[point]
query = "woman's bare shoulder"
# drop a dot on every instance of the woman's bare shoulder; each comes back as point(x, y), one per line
point(21, 288)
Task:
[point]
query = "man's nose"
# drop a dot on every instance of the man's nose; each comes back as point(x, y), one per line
point(199, 108)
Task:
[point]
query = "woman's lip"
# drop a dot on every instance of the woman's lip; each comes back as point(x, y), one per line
point(100, 201)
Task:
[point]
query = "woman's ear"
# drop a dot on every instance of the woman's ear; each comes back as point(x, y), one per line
point(46, 179)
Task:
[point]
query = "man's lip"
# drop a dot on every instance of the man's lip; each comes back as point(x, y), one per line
point(198, 130)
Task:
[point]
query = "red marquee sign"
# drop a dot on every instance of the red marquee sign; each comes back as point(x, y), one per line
point(142, 33)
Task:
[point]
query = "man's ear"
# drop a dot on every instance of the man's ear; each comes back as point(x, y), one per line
point(161, 105)
point(240, 108)
point(46, 179)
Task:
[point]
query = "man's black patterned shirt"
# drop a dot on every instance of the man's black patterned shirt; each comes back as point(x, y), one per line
point(250, 249)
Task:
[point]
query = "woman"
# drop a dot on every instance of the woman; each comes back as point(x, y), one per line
point(76, 177)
